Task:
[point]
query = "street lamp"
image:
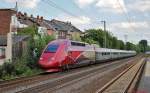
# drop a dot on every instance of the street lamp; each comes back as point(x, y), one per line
point(104, 22)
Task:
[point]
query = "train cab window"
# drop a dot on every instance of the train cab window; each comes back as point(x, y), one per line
point(77, 44)
point(52, 48)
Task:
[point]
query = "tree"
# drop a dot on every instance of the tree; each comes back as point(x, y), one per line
point(94, 36)
point(143, 45)
point(114, 42)
point(121, 45)
point(31, 30)
point(98, 36)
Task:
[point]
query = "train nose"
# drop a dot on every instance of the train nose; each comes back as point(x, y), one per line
point(50, 63)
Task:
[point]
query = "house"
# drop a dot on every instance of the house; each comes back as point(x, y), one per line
point(43, 27)
point(61, 30)
point(65, 30)
point(19, 47)
point(5, 20)
point(7, 25)
point(3, 44)
point(9, 41)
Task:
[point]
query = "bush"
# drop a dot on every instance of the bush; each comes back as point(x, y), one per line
point(7, 70)
point(27, 64)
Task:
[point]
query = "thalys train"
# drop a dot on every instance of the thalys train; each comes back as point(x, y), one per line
point(64, 54)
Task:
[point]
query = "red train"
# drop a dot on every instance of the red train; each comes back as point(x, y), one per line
point(64, 54)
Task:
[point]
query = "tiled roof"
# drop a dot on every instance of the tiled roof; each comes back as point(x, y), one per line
point(62, 26)
point(53, 24)
point(31, 21)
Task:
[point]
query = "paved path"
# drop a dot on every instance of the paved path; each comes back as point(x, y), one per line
point(144, 85)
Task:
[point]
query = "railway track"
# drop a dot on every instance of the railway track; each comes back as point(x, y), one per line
point(52, 82)
point(122, 83)
point(74, 86)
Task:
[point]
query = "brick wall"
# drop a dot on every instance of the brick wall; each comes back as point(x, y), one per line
point(5, 19)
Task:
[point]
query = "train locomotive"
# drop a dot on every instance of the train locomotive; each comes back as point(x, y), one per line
point(64, 54)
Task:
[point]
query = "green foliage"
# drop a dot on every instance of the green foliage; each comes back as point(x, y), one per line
point(31, 30)
point(97, 36)
point(10, 70)
point(130, 46)
point(40, 44)
point(27, 64)
point(143, 45)
point(94, 36)
point(121, 44)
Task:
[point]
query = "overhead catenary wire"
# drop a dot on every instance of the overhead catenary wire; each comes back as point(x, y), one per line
point(53, 4)
point(127, 16)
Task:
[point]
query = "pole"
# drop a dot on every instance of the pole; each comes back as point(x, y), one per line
point(104, 22)
point(126, 36)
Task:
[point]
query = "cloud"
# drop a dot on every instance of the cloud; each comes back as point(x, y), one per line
point(84, 3)
point(140, 5)
point(77, 21)
point(116, 6)
point(25, 3)
point(80, 22)
point(112, 5)
point(141, 30)
point(127, 25)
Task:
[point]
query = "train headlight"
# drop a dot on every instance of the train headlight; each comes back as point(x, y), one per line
point(52, 58)
point(41, 58)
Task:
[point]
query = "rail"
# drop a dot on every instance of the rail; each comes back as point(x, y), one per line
point(123, 82)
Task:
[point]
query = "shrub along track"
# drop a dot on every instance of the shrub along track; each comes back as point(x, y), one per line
point(54, 81)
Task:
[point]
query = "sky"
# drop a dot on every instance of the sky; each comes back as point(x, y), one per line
point(130, 18)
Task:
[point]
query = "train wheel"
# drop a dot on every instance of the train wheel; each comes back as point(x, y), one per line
point(65, 67)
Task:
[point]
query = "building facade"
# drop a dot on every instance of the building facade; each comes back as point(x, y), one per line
point(65, 30)
point(59, 29)
point(5, 20)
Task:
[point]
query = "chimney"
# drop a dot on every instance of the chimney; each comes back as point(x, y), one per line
point(38, 17)
point(41, 19)
point(25, 15)
point(19, 14)
point(31, 16)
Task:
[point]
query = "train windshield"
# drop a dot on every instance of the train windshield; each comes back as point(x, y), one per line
point(52, 48)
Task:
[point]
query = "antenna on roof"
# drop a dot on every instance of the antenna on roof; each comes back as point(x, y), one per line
point(16, 6)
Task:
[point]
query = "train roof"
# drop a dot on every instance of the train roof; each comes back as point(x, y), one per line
point(114, 50)
point(86, 44)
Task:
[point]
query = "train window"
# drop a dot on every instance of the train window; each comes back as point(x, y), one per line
point(102, 53)
point(51, 48)
point(77, 44)
point(115, 53)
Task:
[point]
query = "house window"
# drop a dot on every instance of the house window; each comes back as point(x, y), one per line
point(56, 28)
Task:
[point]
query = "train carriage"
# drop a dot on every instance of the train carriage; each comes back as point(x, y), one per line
point(62, 53)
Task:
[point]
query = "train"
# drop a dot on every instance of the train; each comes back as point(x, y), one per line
point(63, 54)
